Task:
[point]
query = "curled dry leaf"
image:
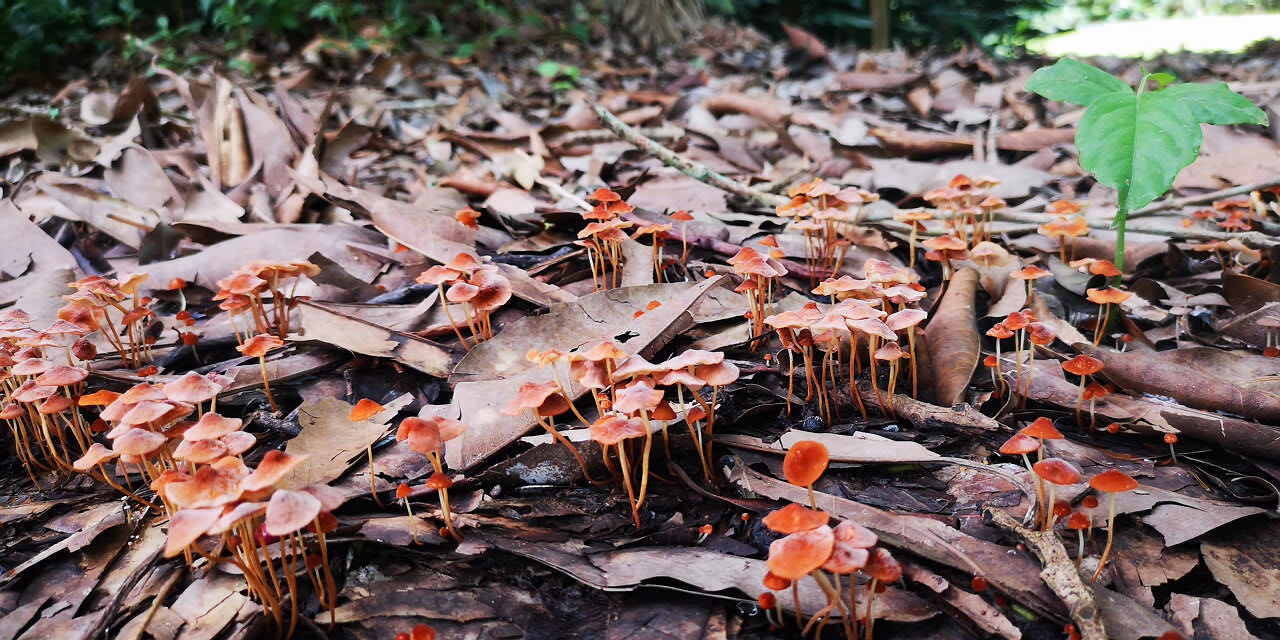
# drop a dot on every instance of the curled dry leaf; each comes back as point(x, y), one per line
point(954, 344)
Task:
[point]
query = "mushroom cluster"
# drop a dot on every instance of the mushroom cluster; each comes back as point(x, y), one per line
point(1056, 472)
point(810, 546)
point(249, 289)
point(196, 468)
point(603, 237)
point(478, 288)
point(877, 311)
point(114, 307)
point(39, 391)
point(966, 205)
point(827, 215)
point(630, 395)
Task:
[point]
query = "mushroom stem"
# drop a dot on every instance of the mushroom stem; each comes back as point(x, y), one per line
point(626, 480)
point(1111, 530)
point(266, 383)
point(644, 462)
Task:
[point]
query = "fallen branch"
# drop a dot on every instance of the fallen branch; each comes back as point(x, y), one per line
point(686, 166)
point(1060, 574)
point(1178, 203)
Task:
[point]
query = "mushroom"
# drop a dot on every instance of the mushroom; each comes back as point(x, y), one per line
point(1104, 297)
point(1078, 522)
point(546, 401)
point(1112, 481)
point(1030, 274)
point(907, 320)
point(1083, 366)
point(683, 218)
point(804, 464)
point(610, 430)
point(427, 436)
point(915, 219)
point(799, 554)
point(944, 249)
point(257, 347)
point(363, 410)
point(883, 569)
point(1055, 471)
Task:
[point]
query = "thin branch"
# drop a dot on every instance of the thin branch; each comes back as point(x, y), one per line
point(1178, 203)
point(686, 166)
point(1059, 574)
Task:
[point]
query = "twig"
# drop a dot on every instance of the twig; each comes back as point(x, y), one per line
point(1177, 203)
point(1059, 574)
point(686, 166)
point(593, 136)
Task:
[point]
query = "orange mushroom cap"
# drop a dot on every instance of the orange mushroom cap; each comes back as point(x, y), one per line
point(259, 345)
point(363, 410)
point(1043, 429)
point(186, 526)
point(1079, 520)
point(794, 517)
point(1057, 471)
point(1082, 365)
point(1107, 295)
point(1113, 481)
point(1019, 444)
point(882, 566)
point(275, 464)
point(796, 555)
point(805, 462)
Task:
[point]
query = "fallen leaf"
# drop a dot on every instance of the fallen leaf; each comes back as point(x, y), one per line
point(952, 338)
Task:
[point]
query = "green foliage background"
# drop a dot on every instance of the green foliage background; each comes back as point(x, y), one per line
point(44, 35)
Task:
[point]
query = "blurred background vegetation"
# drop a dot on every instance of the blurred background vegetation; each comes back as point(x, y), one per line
point(45, 35)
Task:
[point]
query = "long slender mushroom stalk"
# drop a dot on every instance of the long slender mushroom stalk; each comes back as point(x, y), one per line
point(1055, 471)
point(362, 412)
point(257, 347)
point(612, 430)
point(1104, 297)
point(1111, 482)
point(883, 569)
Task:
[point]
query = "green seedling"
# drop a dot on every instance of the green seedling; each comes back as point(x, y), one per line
point(1137, 141)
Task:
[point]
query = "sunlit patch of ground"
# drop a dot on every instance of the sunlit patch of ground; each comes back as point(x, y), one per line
point(1147, 37)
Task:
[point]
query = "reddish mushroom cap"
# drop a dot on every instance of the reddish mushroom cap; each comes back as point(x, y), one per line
point(363, 410)
point(1113, 481)
point(1019, 444)
point(259, 345)
point(1079, 520)
point(275, 464)
point(1043, 429)
point(799, 554)
point(882, 566)
point(1057, 471)
point(186, 526)
point(775, 582)
point(794, 517)
point(212, 425)
point(614, 428)
point(804, 463)
point(191, 387)
point(439, 481)
point(1082, 365)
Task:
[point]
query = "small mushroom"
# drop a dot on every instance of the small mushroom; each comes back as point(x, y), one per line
point(1111, 482)
point(1055, 471)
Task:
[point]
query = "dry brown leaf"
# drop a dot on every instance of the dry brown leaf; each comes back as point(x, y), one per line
point(765, 110)
point(910, 143)
point(1034, 139)
point(955, 347)
point(331, 442)
point(83, 200)
point(1247, 563)
point(875, 80)
point(805, 41)
point(1244, 384)
point(319, 322)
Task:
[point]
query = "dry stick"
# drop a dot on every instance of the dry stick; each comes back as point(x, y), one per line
point(1178, 203)
point(686, 166)
point(1060, 575)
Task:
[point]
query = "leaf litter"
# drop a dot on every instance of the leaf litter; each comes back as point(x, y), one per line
point(189, 177)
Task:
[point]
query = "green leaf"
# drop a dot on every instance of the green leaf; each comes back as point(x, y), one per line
point(1075, 82)
point(1138, 144)
point(1216, 104)
point(1162, 80)
point(548, 68)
